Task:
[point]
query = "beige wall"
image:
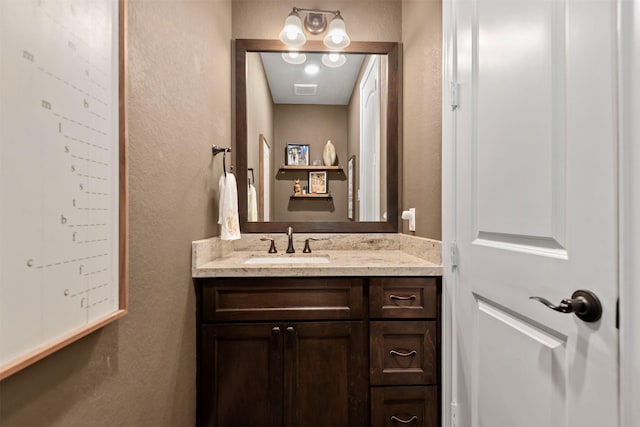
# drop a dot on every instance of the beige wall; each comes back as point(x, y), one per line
point(415, 23)
point(313, 125)
point(370, 20)
point(422, 98)
point(141, 369)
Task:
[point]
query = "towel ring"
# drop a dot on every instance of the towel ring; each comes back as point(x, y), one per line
point(224, 150)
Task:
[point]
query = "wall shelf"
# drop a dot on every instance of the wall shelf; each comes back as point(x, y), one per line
point(324, 196)
point(285, 168)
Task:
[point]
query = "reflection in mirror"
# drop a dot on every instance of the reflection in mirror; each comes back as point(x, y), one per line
point(292, 111)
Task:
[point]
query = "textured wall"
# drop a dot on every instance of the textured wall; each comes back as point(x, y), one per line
point(417, 24)
point(313, 125)
point(141, 369)
point(422, 126)
point(366, 20)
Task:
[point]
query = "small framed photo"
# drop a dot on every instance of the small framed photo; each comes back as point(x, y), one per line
point(318, 182)
point(298, 154)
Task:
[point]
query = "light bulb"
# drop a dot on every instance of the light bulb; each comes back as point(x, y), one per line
point(294, 57)
point(336, 38)
point(333, 59)
point(311, 69)
point(292, 33)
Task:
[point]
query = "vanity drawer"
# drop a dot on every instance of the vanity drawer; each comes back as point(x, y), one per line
point(404, 406)
point(238, 299)
point(403, 352)
point(408, 297)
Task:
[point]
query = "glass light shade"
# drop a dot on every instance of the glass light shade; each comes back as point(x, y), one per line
point(337, 37)
point(333, 60)
point(292, 34)
point(294, 57)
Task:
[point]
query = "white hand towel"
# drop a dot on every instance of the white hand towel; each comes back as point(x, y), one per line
point(228, 209)
point(252, 203)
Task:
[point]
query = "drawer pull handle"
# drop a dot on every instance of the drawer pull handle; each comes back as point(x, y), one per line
point(400, 420)
point(397, 353)
point(402, 298)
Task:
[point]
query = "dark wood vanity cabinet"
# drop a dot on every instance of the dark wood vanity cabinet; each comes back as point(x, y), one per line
point(306, 352)
point(404, 343)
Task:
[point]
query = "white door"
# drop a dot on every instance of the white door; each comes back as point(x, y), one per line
point(533, 171)
point(369, 181)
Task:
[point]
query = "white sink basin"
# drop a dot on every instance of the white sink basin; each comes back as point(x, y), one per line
point(289, 260)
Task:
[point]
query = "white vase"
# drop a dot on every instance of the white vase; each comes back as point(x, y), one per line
point(329, 154)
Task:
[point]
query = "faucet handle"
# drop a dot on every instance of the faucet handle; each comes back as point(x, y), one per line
point(272, 248)
point(307, 248)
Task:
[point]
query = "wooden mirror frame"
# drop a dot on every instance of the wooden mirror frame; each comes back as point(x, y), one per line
point(391, 49)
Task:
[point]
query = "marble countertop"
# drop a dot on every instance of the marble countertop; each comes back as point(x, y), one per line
point(384, 254)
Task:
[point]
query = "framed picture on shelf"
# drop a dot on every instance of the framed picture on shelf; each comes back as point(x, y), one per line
point(318, 182)
point(297, 155)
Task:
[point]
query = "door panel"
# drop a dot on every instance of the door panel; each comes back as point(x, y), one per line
point(369, 180)
point(535, 212)
point(534, 360)
point(325, 374)
point(527, 150)
point(242, 383)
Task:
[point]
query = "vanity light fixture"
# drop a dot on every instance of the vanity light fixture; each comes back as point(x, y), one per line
point(315, 23)
point(337, 37)
point(333, 59)
point(292, 34)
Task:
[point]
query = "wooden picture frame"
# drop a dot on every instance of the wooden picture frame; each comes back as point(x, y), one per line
point(114, 263)
point(351, 188)
point(297, 155)
point(318, 182)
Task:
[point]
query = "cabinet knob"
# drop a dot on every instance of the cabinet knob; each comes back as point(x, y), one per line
point(291, 330)
point(400, 420)
point(275, 330)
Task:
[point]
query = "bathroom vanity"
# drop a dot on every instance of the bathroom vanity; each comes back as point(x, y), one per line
point(337, 337)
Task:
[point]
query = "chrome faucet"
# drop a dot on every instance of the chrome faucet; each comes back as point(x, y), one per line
point(290, 249)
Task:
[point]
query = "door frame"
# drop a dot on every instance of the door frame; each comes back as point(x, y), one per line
point(449, 282)
point(628, 210)
point(629, 207)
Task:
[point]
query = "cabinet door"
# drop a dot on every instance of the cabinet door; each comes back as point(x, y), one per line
point(325, 374)
point(404, 406)
point(240, 381)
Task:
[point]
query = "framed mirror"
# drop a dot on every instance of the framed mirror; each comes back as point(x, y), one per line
point(277, 99)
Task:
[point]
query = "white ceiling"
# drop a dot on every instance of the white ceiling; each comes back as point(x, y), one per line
point(335, 85)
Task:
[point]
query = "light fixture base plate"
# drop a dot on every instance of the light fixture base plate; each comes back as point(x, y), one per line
point(315, 23)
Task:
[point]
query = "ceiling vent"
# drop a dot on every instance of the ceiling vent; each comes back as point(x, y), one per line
point(305, 89)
